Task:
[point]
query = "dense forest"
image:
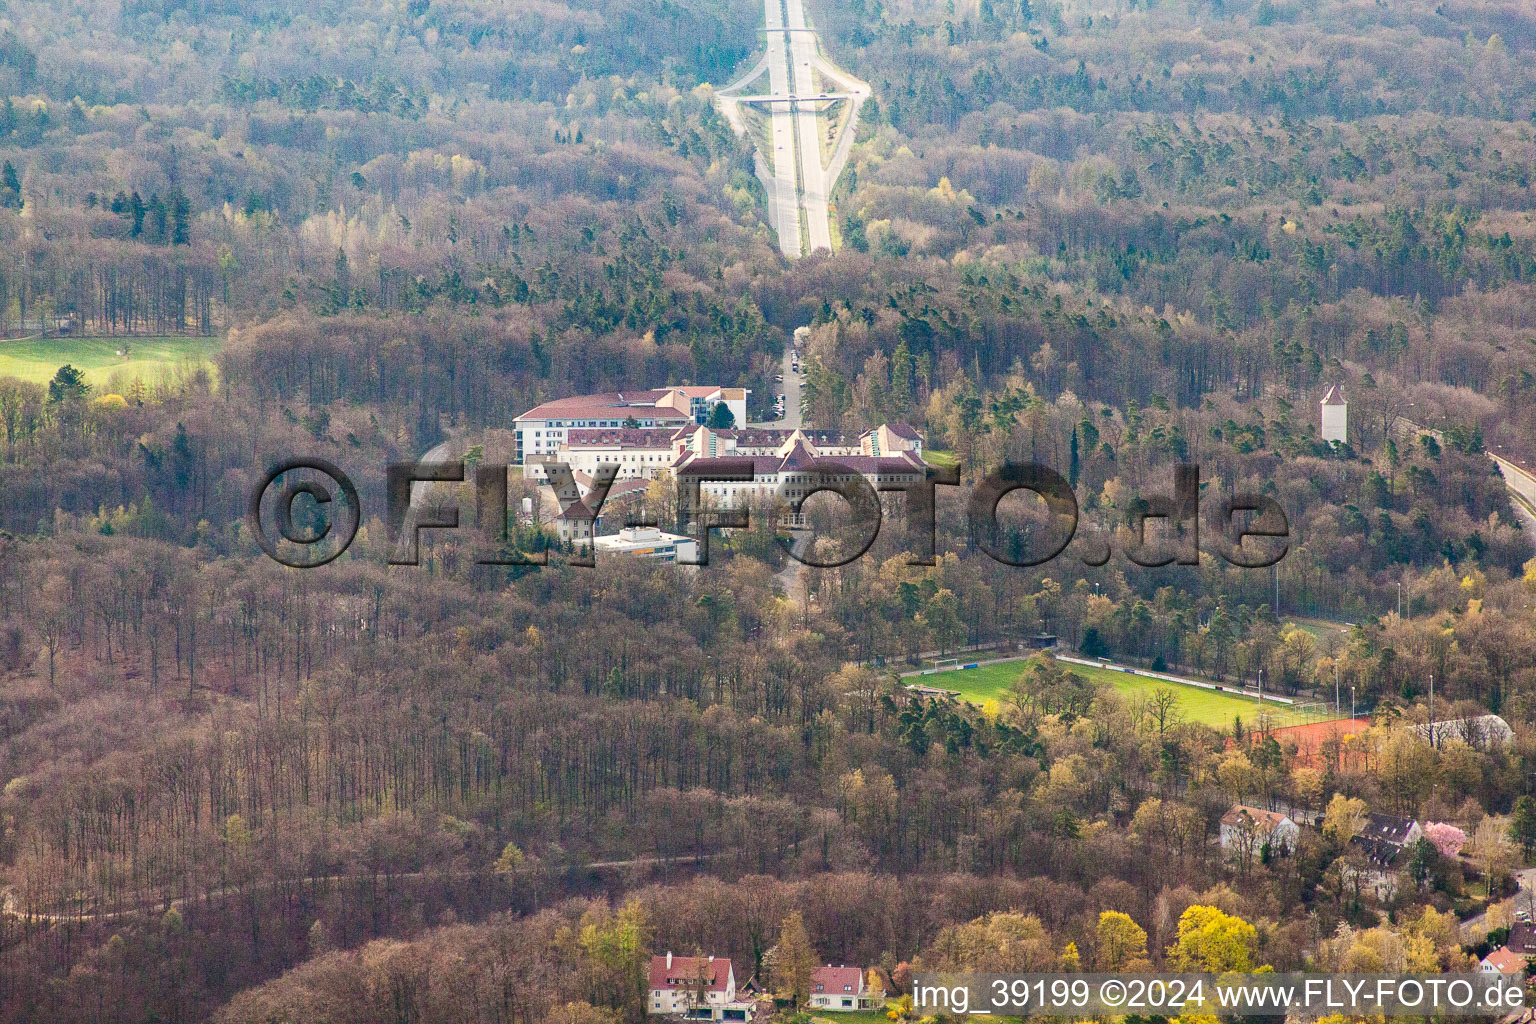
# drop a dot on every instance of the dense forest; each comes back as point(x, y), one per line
point(1111, 238)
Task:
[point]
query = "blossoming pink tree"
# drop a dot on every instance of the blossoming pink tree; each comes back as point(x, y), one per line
point(1448, 839)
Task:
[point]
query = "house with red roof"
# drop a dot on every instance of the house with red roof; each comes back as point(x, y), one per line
point(843, 990)
point(1504, 961)
point(694, 988)
point(1246, 830)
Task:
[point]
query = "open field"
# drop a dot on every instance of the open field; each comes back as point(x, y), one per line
point(37, 360)
point(988, 684)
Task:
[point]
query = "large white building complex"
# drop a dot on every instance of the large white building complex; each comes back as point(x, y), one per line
point(543, 429)
point(649, 435)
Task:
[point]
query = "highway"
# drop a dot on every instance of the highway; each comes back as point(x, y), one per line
point(797, 181)
point(786, 209)
point(813, 179)
point(1522, 488)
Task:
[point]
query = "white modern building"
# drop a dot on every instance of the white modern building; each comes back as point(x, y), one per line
point(648, 542)
point(1335, 416)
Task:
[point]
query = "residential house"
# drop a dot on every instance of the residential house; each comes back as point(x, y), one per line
point(695, 988)
point(1506, 962)
point(842, 989)
point(1247, 830)
point(1522, 939)
point(1384, 836)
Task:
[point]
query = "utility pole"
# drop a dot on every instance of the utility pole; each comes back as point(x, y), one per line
point(1352, 700)
point(1399, 598)
point(1431, 709)
point(1261, 687)
point(1277, 591)
point(1335, 687)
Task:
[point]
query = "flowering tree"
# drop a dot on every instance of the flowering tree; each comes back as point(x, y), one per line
point(1448, 839)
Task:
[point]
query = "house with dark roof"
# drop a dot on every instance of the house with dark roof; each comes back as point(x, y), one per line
point(1522, 939)
point(843, 990)
point(694, 988)
point(1384, 836)
point(791, 474)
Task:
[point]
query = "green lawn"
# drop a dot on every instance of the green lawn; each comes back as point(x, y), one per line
point(39, 359)
point(851, 1017)
point(987, 685)
point(940, 457)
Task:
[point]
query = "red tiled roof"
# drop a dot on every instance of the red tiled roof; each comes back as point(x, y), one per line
point(1505, 960)
point(837, 980)
point(686, 968)
point(1235, 815)
point(608, 405)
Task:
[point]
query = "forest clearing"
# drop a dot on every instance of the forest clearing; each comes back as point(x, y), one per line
point(38, 359)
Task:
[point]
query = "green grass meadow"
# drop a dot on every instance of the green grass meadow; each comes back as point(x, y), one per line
point(38, 359)
point(851, 1017)
point(988, 685)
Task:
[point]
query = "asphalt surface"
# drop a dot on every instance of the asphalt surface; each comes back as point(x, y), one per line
point(797, 181)
point(785, 202)
point(791, 388)
point(813, 179)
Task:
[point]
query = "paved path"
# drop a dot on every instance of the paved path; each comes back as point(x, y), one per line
point(10, 908)
point(786, 213)
point(1521, 482)
point(794, 415)
point(1522, 489)
point(1476, 926)
point(419, 491)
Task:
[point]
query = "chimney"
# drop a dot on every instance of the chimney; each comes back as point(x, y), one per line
point(669, 959)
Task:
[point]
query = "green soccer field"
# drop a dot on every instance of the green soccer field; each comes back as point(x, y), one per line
point(37, 360)
point(988, 684)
